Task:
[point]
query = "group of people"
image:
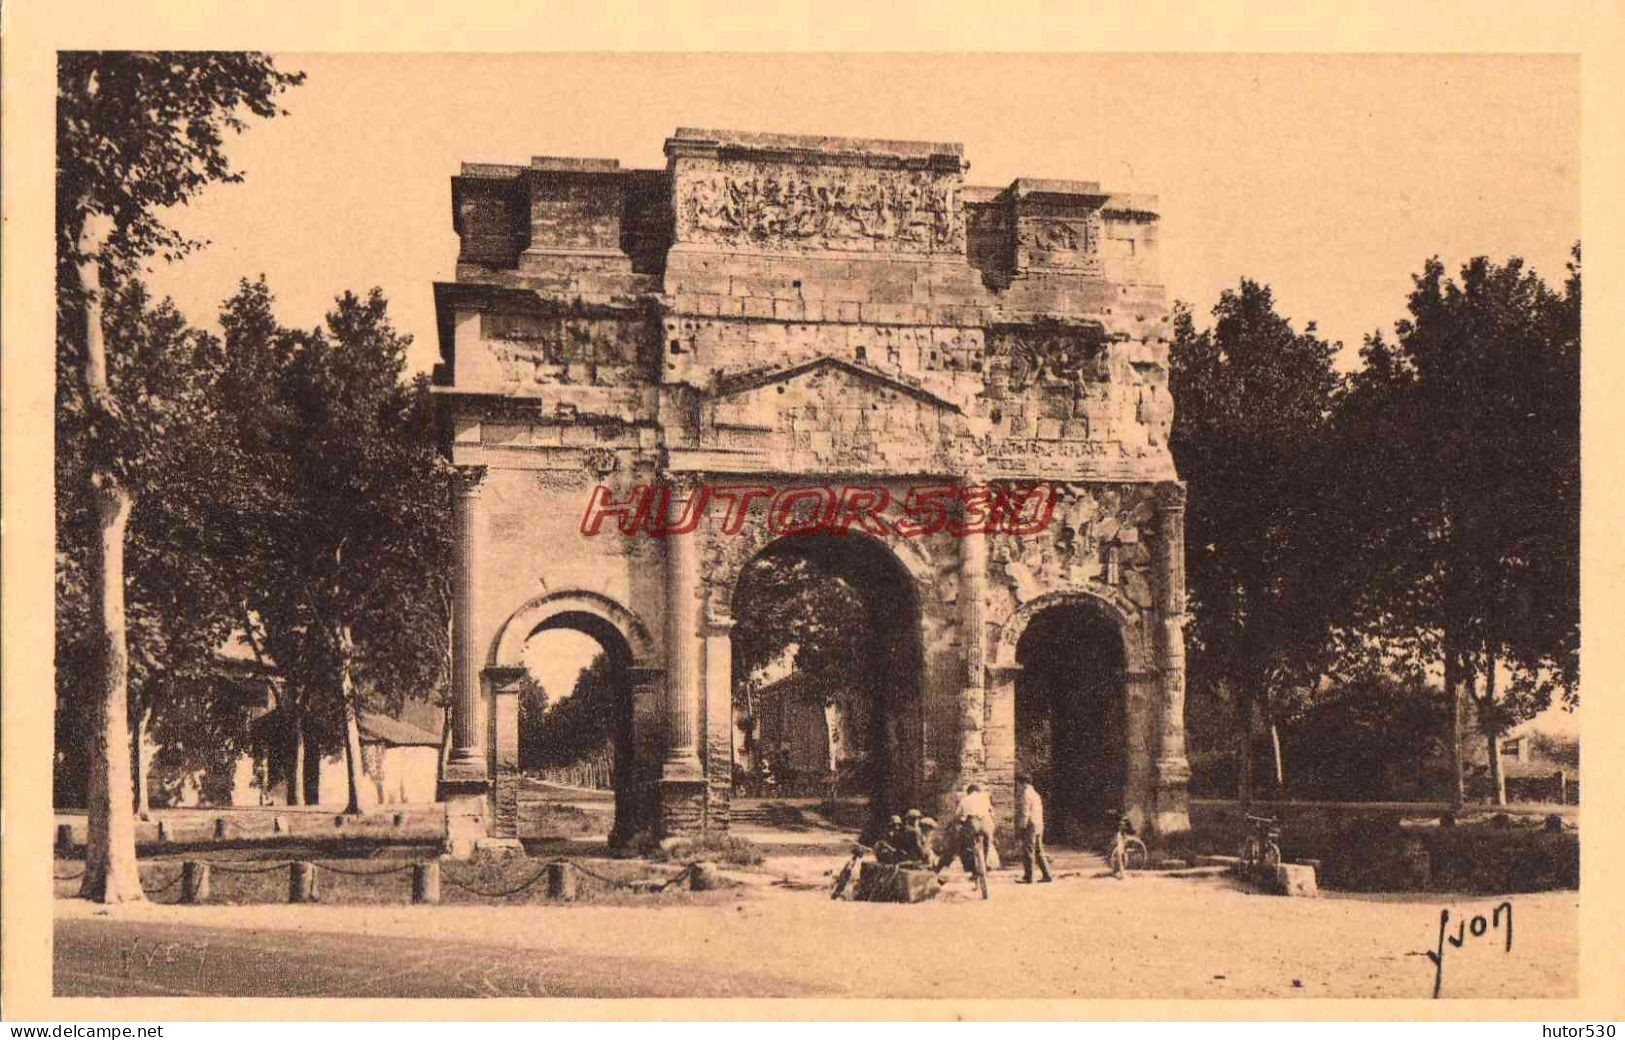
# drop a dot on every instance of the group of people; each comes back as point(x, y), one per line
point(913, 838)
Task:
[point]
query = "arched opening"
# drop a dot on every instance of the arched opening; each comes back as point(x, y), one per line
point(1070, 718)
point(575, 730)
point(826, 682)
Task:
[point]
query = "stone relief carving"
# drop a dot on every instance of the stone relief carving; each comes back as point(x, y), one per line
point(1067, 236)
point(776, 206)
point(1049, 357)
point(1096, 537)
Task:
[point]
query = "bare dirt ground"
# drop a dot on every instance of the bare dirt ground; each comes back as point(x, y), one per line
point(1083, 936)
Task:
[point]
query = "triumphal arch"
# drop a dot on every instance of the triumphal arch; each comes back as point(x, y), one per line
point(650, 378)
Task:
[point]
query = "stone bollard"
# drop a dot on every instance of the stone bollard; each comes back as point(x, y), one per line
point(279, 824)
point(1418, 866)
point(194, 882)
point(164, 833)
point(221, 832)
point(64, 837)
point(561, 881)
point(426, 882)
point(302, 883)
point(338, 821)
point(1294, 879)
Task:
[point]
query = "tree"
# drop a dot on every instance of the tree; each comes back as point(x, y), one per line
point(176, 613)
point(345, 534)
point(585, 723)
point(1255, 397)
point(1469, 424)
point(136, 133)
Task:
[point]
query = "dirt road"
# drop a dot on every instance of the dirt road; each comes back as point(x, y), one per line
point(1081, 937)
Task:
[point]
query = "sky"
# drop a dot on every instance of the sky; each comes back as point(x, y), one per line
point(555, 657)
point(1330, 178)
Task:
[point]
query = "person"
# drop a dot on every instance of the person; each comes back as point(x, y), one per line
point(1032, 832)
point(971, 829)
point(890, 847)
point(915, 843)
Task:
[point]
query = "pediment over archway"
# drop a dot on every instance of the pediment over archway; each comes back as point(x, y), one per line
point(834, 414)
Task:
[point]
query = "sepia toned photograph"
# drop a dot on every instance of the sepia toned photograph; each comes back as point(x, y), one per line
point(912, 527)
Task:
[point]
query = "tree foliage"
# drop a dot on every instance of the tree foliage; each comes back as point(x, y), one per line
point(1462, 442)
point(578, 726)
point(1255, 399)
point(136, 134)
point(342, 509)
point(178, 611)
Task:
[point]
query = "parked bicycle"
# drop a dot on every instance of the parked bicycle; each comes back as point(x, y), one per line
point(844, 878)
point(1128, 852)
point(1261, 850)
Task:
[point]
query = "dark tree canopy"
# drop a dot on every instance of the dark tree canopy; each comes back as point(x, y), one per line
point(1254, 402)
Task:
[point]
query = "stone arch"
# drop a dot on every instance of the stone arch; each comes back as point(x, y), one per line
point(726, 557)
point(1108, 602)
point(508, 649)
point(1131, 738)
point(896, 709)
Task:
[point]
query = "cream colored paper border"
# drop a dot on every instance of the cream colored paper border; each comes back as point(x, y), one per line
point(31, 33)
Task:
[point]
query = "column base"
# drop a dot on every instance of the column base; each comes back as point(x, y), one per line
point(1171, 813)
point(467, 816)
point(682, 807)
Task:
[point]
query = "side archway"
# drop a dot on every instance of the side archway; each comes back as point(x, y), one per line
point(1071, 681)
point(627, 677)
point(592, 608)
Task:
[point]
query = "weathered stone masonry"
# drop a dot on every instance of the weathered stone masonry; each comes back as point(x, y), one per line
point(783, 311)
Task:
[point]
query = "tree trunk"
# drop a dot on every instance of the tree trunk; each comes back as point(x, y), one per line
point(111, 872)
point(143, 796)
point(1452, 690)
point(445, 737)
point(1275, 745)
point(1493, 733)
point(352, 721)
point(296, 769)
point(1245, 781)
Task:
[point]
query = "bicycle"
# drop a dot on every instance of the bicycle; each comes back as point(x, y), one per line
point(844, 878)
point(1261, 850)
point(1128, 852)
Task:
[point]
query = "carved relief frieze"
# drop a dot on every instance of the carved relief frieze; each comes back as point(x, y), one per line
point(781, 206)
point(1022, 357)
point(1096, 538)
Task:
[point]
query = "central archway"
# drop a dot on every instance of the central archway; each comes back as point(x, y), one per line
point(827, 679)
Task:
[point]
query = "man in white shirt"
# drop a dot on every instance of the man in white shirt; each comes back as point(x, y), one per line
point(1032, 831)
point(972, 825)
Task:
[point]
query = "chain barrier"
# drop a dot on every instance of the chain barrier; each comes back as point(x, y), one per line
point(611, 882)
point(685, 872)
point(451, 880)
point(403, 868)
point(166, 886)
point(222, 868)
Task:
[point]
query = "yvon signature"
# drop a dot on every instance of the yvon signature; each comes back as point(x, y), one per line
point(1476, 927)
